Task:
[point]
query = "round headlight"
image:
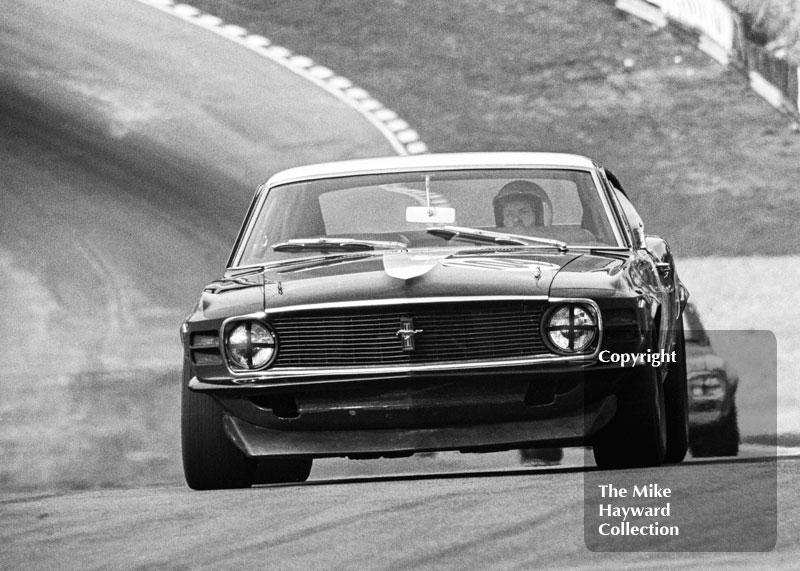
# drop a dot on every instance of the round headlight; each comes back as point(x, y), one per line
point(250, 345)
point(570, 328)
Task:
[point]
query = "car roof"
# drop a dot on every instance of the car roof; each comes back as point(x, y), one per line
point(431, 162)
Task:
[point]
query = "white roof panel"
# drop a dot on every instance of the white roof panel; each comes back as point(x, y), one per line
point(431, 162)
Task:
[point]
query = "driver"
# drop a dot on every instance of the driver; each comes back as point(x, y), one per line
point(520, 205)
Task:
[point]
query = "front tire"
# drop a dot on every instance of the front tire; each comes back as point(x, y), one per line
point(637, 435)
point(720, 441)
point(210, 459)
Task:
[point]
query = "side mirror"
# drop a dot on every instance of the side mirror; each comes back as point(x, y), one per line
point(639, 238)
point(658, 247)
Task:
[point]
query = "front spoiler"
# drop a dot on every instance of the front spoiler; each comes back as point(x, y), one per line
point(709, 413)
point(705, 419)
point(573, 429)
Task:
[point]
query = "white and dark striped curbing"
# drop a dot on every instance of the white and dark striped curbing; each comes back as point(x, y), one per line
point(398, 133)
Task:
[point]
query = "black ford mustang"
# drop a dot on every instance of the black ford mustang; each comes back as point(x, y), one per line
point(472, 302)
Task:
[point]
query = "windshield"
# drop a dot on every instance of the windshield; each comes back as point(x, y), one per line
point(398, 211)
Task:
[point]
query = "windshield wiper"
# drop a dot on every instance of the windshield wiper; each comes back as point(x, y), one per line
point(490, 237)
point(340, 244)
point(302, 264)
point(294, 263)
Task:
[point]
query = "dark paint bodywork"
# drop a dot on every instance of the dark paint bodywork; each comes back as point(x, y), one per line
point(393, 411)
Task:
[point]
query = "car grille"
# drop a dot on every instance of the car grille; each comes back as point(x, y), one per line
point(368, 336)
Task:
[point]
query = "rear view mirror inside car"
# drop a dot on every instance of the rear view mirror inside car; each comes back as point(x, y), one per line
point(433, 214)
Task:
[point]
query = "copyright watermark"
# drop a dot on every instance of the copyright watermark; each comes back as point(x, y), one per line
point(633, 359)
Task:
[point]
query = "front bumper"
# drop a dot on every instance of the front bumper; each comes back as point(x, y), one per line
point(710, 411)
point(403, 416)
point(706, 414)
point(568, 430)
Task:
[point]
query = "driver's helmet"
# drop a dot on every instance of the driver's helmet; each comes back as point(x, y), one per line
point(529, 191)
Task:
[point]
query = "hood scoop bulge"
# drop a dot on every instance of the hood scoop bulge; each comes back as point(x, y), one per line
point(405, 266)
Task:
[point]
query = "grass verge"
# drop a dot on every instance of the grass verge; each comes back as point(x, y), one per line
point(93, 431)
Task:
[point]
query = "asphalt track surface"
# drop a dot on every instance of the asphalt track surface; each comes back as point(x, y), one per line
point(517, 519)
point(131, 144)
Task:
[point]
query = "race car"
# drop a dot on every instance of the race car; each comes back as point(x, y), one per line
point(713, 423)
point(470, 301)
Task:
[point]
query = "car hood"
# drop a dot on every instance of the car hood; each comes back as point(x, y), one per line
point(414, 274)
point(439, 273)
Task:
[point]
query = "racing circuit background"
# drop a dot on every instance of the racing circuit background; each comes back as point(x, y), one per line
point(133, 140)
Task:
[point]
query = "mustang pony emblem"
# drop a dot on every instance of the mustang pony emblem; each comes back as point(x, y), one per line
point(407, 333)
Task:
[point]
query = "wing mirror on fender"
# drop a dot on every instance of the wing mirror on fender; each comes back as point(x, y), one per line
point(659, 249)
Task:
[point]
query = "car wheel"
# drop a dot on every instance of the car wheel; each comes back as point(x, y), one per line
point(271, 471)
point(676, 403)
point(210, 460)
point(720, 441)
point(636, 436)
